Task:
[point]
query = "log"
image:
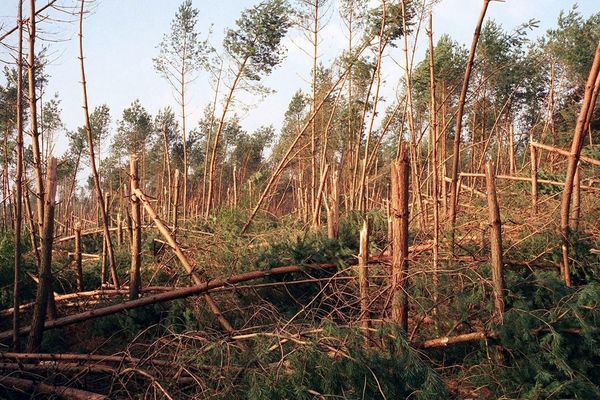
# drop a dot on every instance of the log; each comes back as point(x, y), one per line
point(175, 294)
point(564, 153)
point(444, 341)
point(73, 357)
point(31, 387)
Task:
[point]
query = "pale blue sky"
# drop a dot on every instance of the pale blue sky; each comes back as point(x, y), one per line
point(121, 38)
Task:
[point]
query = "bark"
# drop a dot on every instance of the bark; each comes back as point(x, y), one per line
point(18, 182)
point(182, 258)
point(534, 184)
point(574, 156)
point(458, 129)
point(400, 200)
point(433, 127)
point(363, 277)
point(135, 282)
point(495, 242)
point(90, 137)
point(34, 133)
point(218, 134)
point(45, 274)
point(77, 255)
point(201, 288)
point(32, 387)
point(175, 202)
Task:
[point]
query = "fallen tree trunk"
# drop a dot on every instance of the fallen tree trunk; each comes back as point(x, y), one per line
point(84, 295)
point(168, 296)
point(567, 153)
point(447, 340)
point(31, 387)
point(95, 358)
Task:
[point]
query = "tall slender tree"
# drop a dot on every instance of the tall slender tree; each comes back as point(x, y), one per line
point(255, 49)
point(18, 179)
point(182, 54)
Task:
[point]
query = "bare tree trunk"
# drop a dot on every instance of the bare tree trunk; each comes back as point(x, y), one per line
point(319, 198)
point(18, 183)
point(213, 157)
point(208, 137)
point(77, 255)
point(35, 145)
point(495, 241)
point(362, 186)
point(90, 137)
point(433, 128)
point(582, 123)
point(135, 281)
point(168, 167)
point(313, 104)
point(175, 202)
point(458, 130)
point(413, 147)
point(182, 258)
point(575, 214)
point(363, 277)
point(45, 273)
point(333, 210)
point(534, 185)
point(400, 200)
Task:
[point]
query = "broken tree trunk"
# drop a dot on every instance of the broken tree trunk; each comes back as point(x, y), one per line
point(333, 208)
point(175, 202)
point(77, 257)
point(90, 138)
point(363, 277)
point(135, 281)
point(534, 184)
point(495, 242)
point(400, 200)
point(574, 155)
point(182, 258)
point(45, 274)
point(201, 288)
point(32, 387)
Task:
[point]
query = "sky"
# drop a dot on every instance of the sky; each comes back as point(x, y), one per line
point(121, 38)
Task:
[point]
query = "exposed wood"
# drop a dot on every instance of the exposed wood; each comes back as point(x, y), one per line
point(363, 276)
point(78, 257)
point(32, 387)
point(564, 153)
point(135, 280)
point(495, 241)
point(534, 177)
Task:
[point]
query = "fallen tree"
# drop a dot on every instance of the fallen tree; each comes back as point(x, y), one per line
point(168, 296)
point(31, 387)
